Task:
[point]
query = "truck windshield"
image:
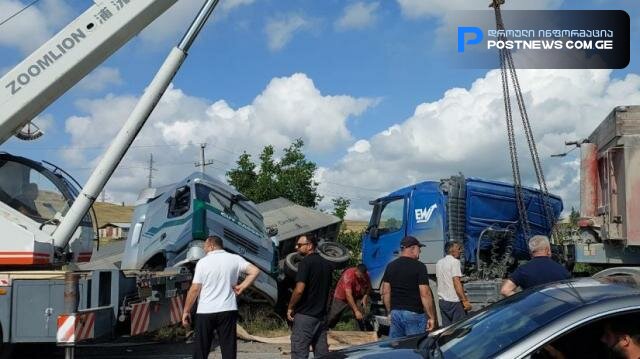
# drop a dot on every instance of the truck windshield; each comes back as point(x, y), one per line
point(222, 203)
point(30, 192)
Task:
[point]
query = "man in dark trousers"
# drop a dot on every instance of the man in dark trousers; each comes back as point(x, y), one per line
point(215, 283)
point(451, 298)
point(352, 291)
point(406, 293)
point(308, 305)
point(540, 269)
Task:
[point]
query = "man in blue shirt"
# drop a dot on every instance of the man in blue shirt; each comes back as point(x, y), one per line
point(540, 269)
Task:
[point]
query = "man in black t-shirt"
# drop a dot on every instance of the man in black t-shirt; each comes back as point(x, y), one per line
point(541, 269)
point(406, 293)
point(308, 305)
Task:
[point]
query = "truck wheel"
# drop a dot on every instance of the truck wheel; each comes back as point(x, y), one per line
point(334, 252)
point(156, 263)
point(291, 262)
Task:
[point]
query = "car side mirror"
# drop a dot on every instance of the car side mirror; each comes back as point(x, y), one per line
point(374, 233)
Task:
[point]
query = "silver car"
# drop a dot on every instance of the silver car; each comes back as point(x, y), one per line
point(565, 317)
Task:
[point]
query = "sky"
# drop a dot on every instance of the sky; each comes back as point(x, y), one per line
point(368, 85)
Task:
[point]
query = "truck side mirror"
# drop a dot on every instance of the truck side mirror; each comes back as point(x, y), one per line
point(374, 233)
point(272, 231)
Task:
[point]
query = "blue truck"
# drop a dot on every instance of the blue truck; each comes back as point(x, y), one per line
point(481, 214)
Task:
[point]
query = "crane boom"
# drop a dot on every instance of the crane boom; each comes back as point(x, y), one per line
point(69, 56)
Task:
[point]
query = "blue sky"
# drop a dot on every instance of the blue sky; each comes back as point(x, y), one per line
point(368, 85)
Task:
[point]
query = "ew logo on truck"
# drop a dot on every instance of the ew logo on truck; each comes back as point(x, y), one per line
point(423, 214)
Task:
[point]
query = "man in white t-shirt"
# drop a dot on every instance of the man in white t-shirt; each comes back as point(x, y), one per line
point(215, 283)
point(451, 298)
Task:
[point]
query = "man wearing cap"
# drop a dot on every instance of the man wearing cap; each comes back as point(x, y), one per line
point(406, 293)
point(215, 283)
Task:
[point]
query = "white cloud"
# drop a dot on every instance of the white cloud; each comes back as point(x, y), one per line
point(100, 79)
point(358, 16)
point(280, 31)
point(229, 5)
point(288, 108)
point(464, 131)
point(360, 146)
point(34, 26)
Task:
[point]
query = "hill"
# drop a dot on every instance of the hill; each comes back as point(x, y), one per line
point(355, 226)
point(110, 213)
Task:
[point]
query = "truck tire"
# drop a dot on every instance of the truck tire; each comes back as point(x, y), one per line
point(291, 262)
point(334, 252)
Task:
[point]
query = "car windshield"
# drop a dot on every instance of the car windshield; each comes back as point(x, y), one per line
point(504, 323)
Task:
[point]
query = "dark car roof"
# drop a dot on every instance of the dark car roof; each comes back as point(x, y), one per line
point(588, 290)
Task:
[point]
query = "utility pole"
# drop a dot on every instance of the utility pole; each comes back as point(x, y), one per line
point(104, 194)
point(151, 169)
point(202, 164)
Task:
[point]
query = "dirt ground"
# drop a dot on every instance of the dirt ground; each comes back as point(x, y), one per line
point(179, 350)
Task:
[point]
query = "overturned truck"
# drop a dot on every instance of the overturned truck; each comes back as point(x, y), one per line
point(170, 223)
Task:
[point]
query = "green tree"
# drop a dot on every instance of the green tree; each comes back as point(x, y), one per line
point(244, 175)
point(291, 177)
point(574, 217)
point(353, 241)
point(340, 206)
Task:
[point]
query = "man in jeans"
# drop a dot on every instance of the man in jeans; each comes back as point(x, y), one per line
point(451, 298)
point(352, 291)
point(215, 283)
point(308, 305)
point(406, 293)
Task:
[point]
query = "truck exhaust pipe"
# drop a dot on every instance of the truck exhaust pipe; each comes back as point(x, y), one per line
point(588, 180)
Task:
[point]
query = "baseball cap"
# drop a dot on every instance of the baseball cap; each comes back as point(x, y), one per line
point(409, 241)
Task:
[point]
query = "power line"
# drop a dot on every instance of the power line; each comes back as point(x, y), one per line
point(357, 187)
point(18, 13)
point(73, 147)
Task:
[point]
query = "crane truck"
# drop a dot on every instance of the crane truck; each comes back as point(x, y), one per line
point(45, 227)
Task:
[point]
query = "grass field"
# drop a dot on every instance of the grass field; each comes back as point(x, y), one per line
point(355, 226)
point(110, 213)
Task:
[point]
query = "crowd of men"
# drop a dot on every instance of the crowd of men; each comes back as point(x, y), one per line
point(405, 291)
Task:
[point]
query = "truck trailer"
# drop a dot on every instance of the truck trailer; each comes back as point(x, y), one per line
point(609, 224)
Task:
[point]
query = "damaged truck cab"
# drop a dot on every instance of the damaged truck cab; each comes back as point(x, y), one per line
point(170, 224)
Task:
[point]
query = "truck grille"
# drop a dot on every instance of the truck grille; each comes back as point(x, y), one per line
point(241, 241)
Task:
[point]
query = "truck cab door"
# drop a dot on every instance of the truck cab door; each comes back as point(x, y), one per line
point(426, 223)
point(381, 243)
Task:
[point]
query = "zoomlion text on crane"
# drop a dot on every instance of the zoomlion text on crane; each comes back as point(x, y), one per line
point(35, 69)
